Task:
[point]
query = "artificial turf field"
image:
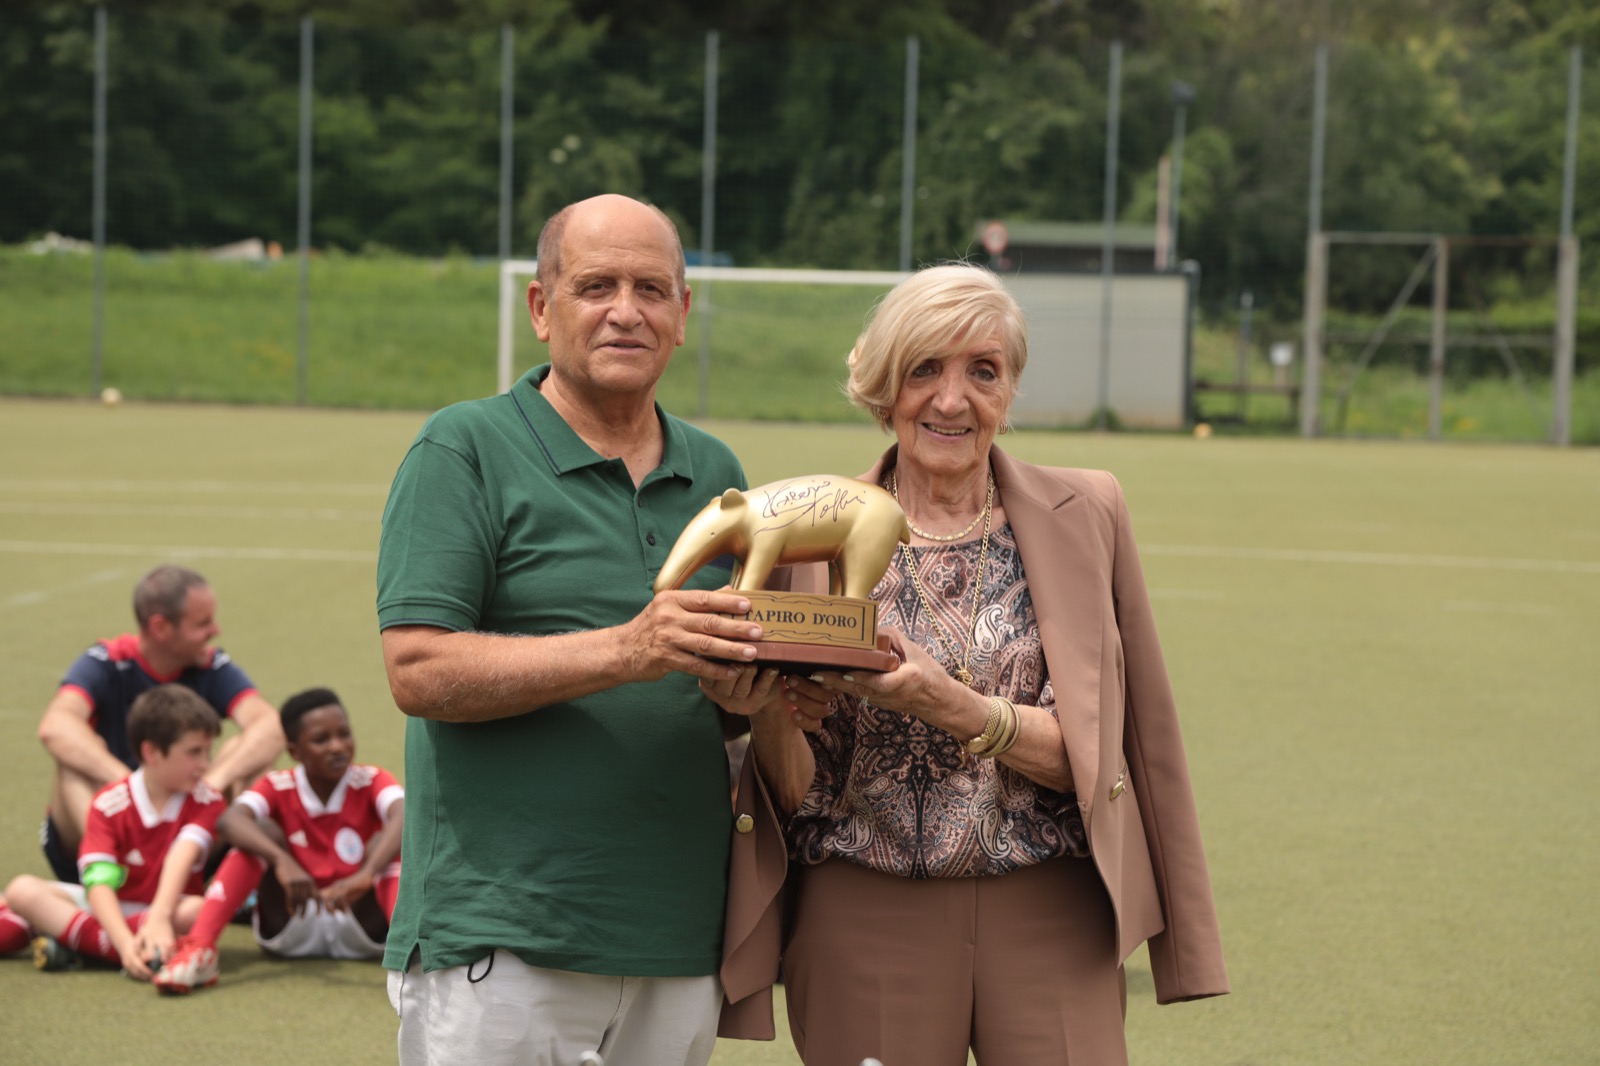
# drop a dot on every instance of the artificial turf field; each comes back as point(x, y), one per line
point(1385, 655)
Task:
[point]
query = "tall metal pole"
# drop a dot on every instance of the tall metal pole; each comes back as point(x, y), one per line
point(1436, 348)
point(1569, 163)
point(1108, 243)
point(1247, 301)
point(1182, 97)
point(98, 204)
point(1177, 178)
point(908, 161)
point(708, 221)
point(305, 210)
point(507, 74)
point(1316, 258)
point(1567, 268)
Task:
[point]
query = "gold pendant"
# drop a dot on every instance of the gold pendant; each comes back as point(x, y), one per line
point(964, 676)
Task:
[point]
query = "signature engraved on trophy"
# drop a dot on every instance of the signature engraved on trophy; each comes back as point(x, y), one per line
point(816, 498)
point(852, 526)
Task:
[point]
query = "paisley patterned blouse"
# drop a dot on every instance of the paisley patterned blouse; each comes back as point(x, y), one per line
point(897, 795)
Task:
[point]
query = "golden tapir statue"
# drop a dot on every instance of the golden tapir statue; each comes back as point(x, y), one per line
point(851, 525)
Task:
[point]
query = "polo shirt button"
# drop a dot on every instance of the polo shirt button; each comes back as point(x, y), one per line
point(744, 823)
point(650, 540)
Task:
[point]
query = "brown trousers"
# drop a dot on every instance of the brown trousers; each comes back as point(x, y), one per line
point(1021, 968)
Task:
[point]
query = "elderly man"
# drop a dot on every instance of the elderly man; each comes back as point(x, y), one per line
point(85, 727)
point(565, 865)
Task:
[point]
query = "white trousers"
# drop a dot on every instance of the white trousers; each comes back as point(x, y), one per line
point(502, 1012)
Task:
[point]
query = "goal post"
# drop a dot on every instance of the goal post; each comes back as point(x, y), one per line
point(1148, 384)
point(512, 289)
point(1436, 261)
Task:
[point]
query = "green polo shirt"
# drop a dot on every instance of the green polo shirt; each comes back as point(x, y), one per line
point(590, 835)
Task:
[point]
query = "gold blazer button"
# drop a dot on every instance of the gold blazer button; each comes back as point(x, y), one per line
point(744, 823)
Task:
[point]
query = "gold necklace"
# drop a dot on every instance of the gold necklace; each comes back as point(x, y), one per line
point(962, 672)
point(894, 485)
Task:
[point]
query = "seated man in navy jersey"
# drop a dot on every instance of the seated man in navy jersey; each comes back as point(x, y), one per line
point(85, 727)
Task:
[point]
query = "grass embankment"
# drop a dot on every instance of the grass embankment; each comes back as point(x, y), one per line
point(383, 332)
point(413, 334)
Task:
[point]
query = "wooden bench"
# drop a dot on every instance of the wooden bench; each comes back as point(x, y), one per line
point(1249, 388)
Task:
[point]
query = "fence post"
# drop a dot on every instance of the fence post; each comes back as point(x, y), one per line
point(304, 228)
point(1567, 269)
point(1108, 243)
point(908, 143)
point(1316, 300)
point(507, 73)
point(98, 201)
point(1436, 348)
point(1316, 257)
point(1566, 340)
point(708, 220)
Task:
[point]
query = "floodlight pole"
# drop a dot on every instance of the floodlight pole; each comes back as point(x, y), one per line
point(708, 221)
point(1108, 244)
point(98, 208)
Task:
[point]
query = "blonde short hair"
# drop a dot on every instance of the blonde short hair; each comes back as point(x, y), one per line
point(930, 315)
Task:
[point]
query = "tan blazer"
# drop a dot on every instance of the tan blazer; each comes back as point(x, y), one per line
point(1120, 726)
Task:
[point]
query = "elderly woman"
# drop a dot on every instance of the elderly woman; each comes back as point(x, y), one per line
point(981, 836)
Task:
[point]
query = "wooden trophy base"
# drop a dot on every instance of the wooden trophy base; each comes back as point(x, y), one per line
point(803, 633)
point(809, 658)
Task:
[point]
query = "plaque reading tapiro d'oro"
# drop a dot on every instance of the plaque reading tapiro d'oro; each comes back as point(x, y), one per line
point(802, 618)
point(852, 526)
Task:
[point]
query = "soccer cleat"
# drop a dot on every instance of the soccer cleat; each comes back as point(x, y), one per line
point(191, 966)
point(52, 956)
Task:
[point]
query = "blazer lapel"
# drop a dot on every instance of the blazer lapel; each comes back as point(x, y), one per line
point(1063, 567)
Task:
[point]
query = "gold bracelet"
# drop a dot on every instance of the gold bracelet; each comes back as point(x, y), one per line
point(981, 743)
point(1001, 732)
point(1011, 731)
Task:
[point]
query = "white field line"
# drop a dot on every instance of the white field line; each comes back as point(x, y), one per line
point(174, 551)
point(1447, 562)
point(143, 487)
point(1472, 607)
point(196, 510)
point(98, 577)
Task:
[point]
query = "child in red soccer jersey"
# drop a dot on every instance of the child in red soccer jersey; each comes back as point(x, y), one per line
point(141, 855)
point(319, 844)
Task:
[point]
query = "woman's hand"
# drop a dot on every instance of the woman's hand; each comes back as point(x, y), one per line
point(808, 702)
point(919, 686)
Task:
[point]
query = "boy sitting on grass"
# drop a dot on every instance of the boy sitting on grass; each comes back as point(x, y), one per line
point(318, 844)
point(143, 848)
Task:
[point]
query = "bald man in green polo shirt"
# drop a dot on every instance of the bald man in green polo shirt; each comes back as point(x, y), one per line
point(567, 834)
